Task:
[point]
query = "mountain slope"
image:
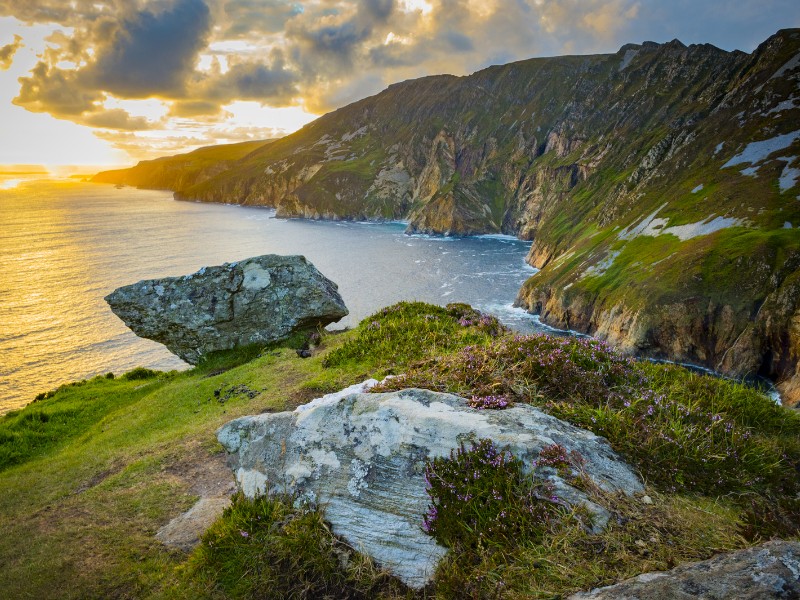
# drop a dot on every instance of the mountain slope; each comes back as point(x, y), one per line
point(659, 185)
point(183, 170)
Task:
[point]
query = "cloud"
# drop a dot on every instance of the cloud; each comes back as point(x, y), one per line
point(199, 56)
point(257, 17)
point(152, 53)
point(143, 147)
point(116, 118)
point(56, 91)
point(7, 52)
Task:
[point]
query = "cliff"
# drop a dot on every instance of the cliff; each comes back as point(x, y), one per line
point(658, 184)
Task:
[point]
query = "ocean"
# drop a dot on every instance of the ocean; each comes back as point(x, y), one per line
point(64, 245)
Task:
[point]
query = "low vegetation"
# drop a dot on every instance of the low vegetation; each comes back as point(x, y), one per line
point(91, 470)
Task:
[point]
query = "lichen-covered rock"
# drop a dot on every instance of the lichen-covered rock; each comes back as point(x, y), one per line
point(258, 300)
point(771, 570)
point(361, 458)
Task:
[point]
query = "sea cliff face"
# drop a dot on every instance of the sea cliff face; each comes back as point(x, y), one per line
point(659, 185)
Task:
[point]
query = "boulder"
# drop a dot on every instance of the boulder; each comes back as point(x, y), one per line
point(255, 301)
point(771, 570)
point(360, 457)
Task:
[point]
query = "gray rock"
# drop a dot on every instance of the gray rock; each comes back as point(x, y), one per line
point(185, 530)
point(361, 458)
point(258, 300)
point(771, 570)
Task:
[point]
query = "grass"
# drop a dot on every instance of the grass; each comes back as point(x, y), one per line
point(97, 467)
point(266, 548)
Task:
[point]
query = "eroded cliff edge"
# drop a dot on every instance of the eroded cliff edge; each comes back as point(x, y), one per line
point(659, 184)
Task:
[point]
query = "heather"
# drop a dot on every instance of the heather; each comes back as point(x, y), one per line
point(685, 432)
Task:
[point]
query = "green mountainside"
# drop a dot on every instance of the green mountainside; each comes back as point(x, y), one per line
point(178, 172)
point(659, 185)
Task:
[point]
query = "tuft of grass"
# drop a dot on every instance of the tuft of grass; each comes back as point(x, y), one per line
point(139, 374)
point(266, 548)
point(526, 368)
point(408, 331)
point(639, 538)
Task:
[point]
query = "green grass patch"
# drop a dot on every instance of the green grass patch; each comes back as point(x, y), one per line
point(67, 412)
point(408, 331)
point(266, 548)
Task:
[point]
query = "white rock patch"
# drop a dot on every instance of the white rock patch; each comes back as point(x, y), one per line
point(629, 55)
point(653, 226)
point(781, 106)
point(787, 66)
point(693, 230)
point(758, 151)
point(600, 268)
point(789, 175)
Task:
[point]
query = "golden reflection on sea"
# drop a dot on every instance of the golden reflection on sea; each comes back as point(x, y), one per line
point(64, 245)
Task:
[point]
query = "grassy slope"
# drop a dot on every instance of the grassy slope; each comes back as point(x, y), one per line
point(79, 513)
point(78, 521)
point(181, 170)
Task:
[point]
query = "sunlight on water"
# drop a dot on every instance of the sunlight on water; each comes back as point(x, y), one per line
point(64, 246)
point(9, 184)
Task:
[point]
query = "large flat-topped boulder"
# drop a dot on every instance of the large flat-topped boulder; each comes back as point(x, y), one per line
point(361, 458)
point(258, 300)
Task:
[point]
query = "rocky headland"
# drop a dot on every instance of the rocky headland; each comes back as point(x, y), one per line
point(659, 185)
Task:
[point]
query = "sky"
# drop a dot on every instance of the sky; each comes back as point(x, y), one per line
point(111, 82)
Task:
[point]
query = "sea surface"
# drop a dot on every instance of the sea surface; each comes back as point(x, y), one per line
point(64, 245)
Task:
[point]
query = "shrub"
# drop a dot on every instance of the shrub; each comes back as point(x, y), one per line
point(480, 496)
point(528, 368)
point(140, 373)
point(684, 432)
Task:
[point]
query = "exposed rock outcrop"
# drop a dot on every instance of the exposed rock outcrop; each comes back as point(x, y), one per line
point(361, 458)
point(255, 301)
point(765, 572)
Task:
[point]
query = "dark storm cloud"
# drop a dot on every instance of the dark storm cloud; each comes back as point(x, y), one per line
point(153, 53)
point(8, 51)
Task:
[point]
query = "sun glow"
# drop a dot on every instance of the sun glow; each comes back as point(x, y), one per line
point(420, 5)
